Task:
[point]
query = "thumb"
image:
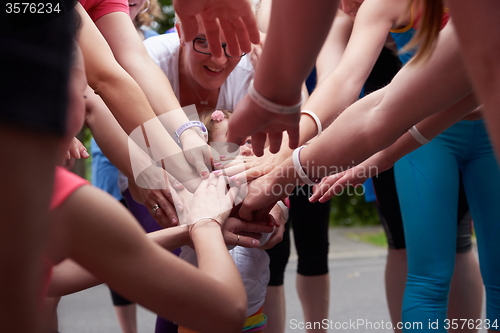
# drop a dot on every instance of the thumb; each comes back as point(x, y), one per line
point(202, 170)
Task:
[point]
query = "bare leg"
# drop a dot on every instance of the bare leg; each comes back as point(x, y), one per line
point(314, 294)
point(466, 293)
point(275, 309)
point(127, 318)
point(395, 279)
point(27, 174)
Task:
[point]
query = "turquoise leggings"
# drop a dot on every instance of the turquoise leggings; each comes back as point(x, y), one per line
point(427, 184)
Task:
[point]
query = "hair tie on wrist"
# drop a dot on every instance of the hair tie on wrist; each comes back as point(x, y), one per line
point(191, 226)
point(271, 106)
point(418, 136)
point(298, 168)
point(316, 120)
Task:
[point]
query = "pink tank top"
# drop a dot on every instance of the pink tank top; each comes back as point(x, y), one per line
point(98, 8)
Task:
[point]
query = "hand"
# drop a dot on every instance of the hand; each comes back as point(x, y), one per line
point(156, 187)
point(330, 186)
point(77, 150)
point(257, 51)
point(262, 195)
point(278, 215)
point(249, 119)
point(235, 17)
point(249, 168)
point(249, 232)
point(196, 152)
point(211, 200)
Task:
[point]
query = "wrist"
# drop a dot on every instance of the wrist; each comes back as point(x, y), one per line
point(271, 104)
point(203, 223)
point(192, 127)
point(191, 134)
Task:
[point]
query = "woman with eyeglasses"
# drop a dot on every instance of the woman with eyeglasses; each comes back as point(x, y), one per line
point(199, 78)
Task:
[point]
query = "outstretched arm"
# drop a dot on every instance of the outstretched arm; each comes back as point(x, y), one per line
point(376, 121)
point(121, 256)
point(289, 64)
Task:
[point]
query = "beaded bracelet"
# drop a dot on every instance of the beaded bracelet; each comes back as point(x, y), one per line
point(271, 106)
point(418, 136)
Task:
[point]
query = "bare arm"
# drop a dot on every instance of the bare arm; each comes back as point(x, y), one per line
point(477, 27)
point(285, 89)
point(376, 121)
point(121, 256)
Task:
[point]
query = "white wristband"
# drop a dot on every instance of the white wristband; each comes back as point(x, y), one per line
point(418, 136)
point(298, 167)
point(316, 120)
point(284, 209)
point(271, 106)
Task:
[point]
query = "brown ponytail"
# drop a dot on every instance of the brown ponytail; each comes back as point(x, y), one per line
point(428, 30)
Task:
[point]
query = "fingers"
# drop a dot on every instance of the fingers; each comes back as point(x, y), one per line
point(212, 33)
point(244, 241)
point(252, 31)
point(274, 142)
point(258, 143)
point(189, 28)
point(293, 138)
point(232, 46)
point(241, 33)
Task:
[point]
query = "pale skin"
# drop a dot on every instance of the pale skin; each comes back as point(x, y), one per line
point(121, 254)
point(289, 73)
point(368, 118)
point(234, 18)
point(107, 78)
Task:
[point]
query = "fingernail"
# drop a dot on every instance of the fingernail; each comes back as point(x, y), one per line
point(232, 177)
point(255, 242)
point(222, 156)
point(174, 220)
point(217, 172)
point(204, 173)
point(85, 154)
point(218, 164)
point(179, 207)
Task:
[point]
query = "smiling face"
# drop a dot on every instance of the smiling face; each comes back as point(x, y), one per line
point(205, 70)
point(351, 7)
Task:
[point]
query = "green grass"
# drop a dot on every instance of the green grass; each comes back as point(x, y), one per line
point(374, 238)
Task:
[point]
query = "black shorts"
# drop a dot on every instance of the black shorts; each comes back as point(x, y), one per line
point(310, 230)
point(35, 60)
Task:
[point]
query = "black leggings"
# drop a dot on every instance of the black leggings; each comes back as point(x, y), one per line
point(310, 225)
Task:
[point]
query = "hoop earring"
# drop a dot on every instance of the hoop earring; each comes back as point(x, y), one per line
point(147, 7)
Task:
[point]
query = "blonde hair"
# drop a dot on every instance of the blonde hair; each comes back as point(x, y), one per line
point(428, 30)
point(152, 13)
point(206, 119)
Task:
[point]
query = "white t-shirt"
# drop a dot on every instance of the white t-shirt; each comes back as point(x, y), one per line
point(165, 50)
point(253, 264)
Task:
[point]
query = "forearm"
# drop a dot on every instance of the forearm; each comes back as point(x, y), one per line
point(68, 277)
point(125, 154)
point(171, 238)
point(285, 38)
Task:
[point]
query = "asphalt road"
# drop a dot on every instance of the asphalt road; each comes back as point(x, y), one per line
point(357, 295)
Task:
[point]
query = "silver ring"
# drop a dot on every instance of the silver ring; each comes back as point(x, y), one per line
point(237, 241)
point(155, 208)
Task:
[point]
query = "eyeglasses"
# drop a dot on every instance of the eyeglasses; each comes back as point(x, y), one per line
point(200, 45)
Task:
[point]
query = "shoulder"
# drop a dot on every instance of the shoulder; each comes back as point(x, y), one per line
point(162, 45)
point(244, 67)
